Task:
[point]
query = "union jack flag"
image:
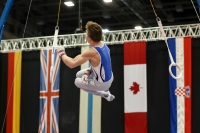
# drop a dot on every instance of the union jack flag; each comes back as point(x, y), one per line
point(49, 93)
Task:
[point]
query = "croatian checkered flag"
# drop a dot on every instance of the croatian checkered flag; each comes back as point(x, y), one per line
point(183, 91)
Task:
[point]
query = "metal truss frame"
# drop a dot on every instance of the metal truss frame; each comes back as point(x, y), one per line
point(112, 37)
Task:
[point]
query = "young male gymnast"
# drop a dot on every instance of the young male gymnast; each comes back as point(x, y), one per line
point(98, 78)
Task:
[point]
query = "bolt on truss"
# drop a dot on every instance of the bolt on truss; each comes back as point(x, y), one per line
point(112, 37)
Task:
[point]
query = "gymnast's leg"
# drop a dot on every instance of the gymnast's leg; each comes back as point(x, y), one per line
point(99, 89)
point(80, 73)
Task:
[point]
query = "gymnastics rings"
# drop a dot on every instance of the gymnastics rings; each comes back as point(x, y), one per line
point(170, 55)
point(170, 70)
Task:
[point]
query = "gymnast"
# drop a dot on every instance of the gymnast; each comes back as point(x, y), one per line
point(98, 78)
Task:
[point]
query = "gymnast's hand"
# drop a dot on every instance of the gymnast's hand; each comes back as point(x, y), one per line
point(61, 51)
point(84, 78)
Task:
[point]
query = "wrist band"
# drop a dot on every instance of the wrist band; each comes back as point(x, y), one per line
point(61, 53)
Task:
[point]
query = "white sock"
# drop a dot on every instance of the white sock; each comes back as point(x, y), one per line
point(108, 96)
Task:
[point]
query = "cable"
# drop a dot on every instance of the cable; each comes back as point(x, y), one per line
point(15, 71)
point(195, 10)
point(153, 8)
point(27, 19)
point(58, 13)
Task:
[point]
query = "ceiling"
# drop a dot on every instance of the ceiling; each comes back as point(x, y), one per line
point(118, 15)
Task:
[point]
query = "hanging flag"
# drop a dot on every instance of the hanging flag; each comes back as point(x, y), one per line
point(49, 93)
point(14, 92)
point(135, 90)
point(180, 89)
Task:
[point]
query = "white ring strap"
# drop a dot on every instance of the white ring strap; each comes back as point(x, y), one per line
point(170, 55)
point(53, 53)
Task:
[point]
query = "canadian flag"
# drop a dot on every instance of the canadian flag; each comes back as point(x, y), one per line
point(135, 87)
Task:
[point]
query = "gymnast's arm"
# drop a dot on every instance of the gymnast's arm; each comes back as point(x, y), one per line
point(79, 59)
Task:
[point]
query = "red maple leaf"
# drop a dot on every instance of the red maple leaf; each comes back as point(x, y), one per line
point(135, 88)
